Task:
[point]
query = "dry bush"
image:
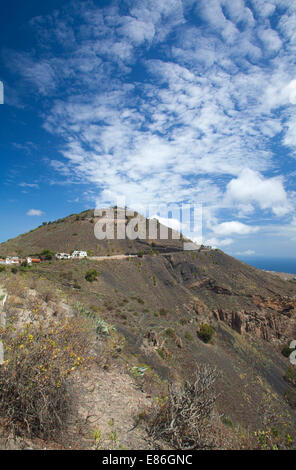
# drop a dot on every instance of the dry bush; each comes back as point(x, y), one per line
point(108, 348)
point(44, 287)
point(46, 291)
point(13, 301)
point(16, 286)
point(35, 385)
point(276, 430)
point(186, 418)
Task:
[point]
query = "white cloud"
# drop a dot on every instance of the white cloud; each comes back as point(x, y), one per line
point(270, 39)
point(29, 185)
point(35, 212)
point(40, 73)
point(234, 227)
point(250, 187)
point(280, 91)
point(194, 125)
point(214, 242)
point(264, 8)
point(175, 224)
point(137, 31)
point(246, 253)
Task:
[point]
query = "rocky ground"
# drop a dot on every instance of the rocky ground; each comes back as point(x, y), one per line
point(157, 303)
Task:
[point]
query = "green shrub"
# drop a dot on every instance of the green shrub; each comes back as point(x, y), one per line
point(163, 312)
point(290, 396)
point(14, 270)
point(92, 275)
point(286, 351)
point(205, 332)
point(290, 375)
point(227, 421)
point(47, 255)
point(188, 336)
point(161, 353)
point(76, 285)
point(170, 332)
point(2, 269)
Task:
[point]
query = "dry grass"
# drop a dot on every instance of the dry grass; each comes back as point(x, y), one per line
point(35, 386)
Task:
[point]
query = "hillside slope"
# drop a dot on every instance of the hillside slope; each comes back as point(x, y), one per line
point(159, 301)
point(76, 232)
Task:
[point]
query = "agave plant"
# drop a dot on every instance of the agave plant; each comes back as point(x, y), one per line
point(101, 326)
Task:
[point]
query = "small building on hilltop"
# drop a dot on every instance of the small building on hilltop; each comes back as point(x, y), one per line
point(79, 254)
point(63, 256)
point(12, 260)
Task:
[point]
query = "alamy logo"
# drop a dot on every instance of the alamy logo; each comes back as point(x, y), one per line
point(292, 356)
point(1, 93)
point(121, 223)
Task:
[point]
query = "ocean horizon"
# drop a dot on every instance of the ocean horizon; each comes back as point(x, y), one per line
point(283, 265)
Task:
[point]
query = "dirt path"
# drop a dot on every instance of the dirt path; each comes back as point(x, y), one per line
point(99, 258)
point(109, 403)
point(3, 297)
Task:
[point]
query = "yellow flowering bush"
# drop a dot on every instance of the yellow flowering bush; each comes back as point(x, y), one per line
point(35, 385)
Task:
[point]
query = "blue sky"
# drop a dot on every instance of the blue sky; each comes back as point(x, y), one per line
point(157, 101)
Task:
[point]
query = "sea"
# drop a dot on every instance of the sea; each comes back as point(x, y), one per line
point(282, 265)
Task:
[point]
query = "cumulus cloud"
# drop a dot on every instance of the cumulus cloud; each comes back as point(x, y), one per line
point(234, 227)
point(35, 212)
point(250, 187)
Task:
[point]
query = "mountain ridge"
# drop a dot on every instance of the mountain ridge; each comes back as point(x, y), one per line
point(76, 231)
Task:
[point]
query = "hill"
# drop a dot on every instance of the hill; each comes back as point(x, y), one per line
point(76, 232)
point(159, 302)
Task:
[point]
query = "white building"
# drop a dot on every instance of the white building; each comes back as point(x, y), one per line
point(63, 256)
point(12, 260)
point(79, 254)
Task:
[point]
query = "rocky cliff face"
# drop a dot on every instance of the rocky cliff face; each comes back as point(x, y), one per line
point(272, 321)
point(246, 299)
